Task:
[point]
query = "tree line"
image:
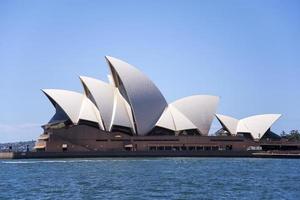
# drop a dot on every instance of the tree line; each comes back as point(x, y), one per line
point(293, 135)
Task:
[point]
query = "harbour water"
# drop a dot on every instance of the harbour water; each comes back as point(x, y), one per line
point(145, 178)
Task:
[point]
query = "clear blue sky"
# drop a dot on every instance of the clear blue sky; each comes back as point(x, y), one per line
point(246, 52)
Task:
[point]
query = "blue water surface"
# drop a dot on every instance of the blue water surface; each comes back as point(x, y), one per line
point(145, 178)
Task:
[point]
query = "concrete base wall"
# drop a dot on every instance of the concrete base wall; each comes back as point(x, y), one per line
point(83, 138)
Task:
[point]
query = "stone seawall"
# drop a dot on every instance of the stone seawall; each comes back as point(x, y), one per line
point(224, 154)
point(104, 154)
point(6, 155)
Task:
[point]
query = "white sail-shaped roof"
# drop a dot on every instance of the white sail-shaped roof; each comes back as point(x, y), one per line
point(90, 112)
point(144, 97)
point(256, 125)
point(259, 124)
point(122, 115)
point(199, 109)
point(166, 120)
point(103, 95)
point(69, 101)
point(181, 121)
point(113, 107)
point(173, 119)
point(111, 80)
point(75, 105)
point(229, 123)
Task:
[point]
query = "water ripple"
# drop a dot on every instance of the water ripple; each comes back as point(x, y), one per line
point(151, 178)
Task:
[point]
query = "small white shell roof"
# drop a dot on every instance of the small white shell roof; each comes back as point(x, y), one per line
point(229, 123)
point(256, 125)
point(199, 109)
point(173, 119)
point(75, 105)
point(144, 97)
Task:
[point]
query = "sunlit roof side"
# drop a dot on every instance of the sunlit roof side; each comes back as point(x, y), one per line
point(174, 120)
point(90, 112)
point(69, 101)
point(199, 109)
point(113, 107)
point(75, 105)
point(122, 115)
point(103, 95)
point(256, 125)
point(229, 123)
point(146, 101)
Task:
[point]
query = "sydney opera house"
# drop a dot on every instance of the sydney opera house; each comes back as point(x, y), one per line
point(129, 113)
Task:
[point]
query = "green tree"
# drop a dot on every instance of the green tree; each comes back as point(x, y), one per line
point(294, 135)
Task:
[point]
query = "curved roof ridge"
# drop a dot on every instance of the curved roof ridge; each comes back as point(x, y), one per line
point(259, 124)
point(199, 109)
point(146, 100)
point(121, 115)
point(102, 94)
point(230, 123)
point(69, 101)
point(75, 105)
point(181, 121)
point(263, 115)
point(256, 125)
point(174, 120)
point(166, 120)
point(90, 112)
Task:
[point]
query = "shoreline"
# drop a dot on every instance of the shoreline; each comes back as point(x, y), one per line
point(106, 154)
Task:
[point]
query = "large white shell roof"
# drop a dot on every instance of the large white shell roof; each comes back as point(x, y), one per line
point(113, 107)
point(256, 125)
point(144, 97)
point(103, 95)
